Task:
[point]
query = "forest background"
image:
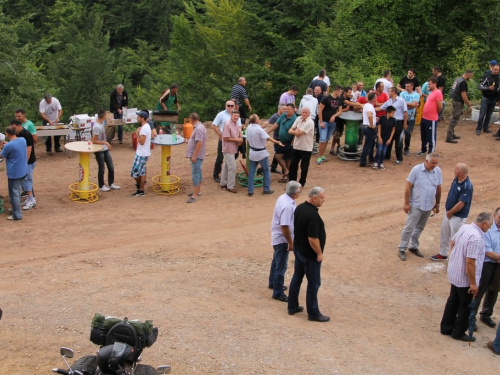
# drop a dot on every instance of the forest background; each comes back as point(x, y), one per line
point(78, 50)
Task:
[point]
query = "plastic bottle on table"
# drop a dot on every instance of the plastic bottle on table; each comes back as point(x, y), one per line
point(174, 134)
point(161, 130)
point(89, 144)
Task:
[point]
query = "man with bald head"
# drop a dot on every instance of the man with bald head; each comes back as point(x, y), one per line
point(457, 209)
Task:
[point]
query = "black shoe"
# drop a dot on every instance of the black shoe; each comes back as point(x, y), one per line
point(282, 298)
point(457, 136)
point(497, 134)
point(260, 170)
point(488, 321)
point(217, 179)
point(59, 150)
point(268, 192)
point(320, 318)
point(451, 141)
point(417, 252)
point(498, 138)
point(284, 287)
point(296, 310)
point(139, 193)
point(487, 131)
point(464, 337)
point(250, 194)
point(275, 170)
point(402, 255)
point(478, 132)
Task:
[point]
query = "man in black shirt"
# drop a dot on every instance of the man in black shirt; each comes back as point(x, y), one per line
point(320, 81)
point(459, 97)
point(410, 77)
point(308, 246)
point(27, 182)
point(489, 87)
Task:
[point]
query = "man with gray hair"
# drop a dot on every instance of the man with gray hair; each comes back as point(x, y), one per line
point(464, 273)
point(422, 196)
point(303, 131)
point(238, 92)
point(117, 101)
point(308, 246)
point(276, 133)
point(457, 209)
point(282, 238)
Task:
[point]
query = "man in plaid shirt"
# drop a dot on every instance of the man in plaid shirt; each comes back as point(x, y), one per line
point(464, 272)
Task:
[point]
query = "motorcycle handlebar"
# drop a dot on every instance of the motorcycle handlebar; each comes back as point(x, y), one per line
point(60, 371)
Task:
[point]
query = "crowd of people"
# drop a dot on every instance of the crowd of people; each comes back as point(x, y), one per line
point(389, 113)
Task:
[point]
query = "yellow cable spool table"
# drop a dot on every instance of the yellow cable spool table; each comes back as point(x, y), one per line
point(83, 191)
point(166, 183)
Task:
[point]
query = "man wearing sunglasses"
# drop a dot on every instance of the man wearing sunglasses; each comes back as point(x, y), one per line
point(218, 125)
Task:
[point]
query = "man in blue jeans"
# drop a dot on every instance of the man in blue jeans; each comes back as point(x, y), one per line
point(489, 87)
point(14, 152)
point(308, 246)
point(282, 238)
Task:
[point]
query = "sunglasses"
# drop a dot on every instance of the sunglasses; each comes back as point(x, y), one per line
point(229, 105)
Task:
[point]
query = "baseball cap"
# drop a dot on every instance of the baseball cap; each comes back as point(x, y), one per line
point(2, 137)
point(143, 114)
point(493, 62)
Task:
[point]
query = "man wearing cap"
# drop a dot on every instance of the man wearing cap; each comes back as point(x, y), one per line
point(51, 111)
point(142, 153)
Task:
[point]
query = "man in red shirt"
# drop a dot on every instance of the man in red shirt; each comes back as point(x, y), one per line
point(430, 116)
point(382, 97)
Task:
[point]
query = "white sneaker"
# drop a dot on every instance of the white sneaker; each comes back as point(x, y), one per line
point(114, 187)
point(29, 204)
point(497, 122)
point(105, 188)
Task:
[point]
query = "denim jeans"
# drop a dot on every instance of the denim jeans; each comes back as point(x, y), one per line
point(105, 157)
point(196, 174)
point(381, 151)
point(15, 197)
point(409, 129)
point(118, 116)
point(27, 183)
point(264, 163)
point(279, 265)
point(368, 146)
point(311, 268)
point(487, 108)
point(496, 342)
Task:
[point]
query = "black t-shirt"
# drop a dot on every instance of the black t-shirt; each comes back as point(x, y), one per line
point(307, 223)
point(29, 142)
point(456, 92)
point(441, 81)
point(405, 79)
point(386, 126)
point(272, 120)
point(320, 83)
point(331, 106)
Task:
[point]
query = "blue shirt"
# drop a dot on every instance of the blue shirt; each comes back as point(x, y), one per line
point(16, 155)
point(492, 241)
point(409, 98)
point(399, 104)
point(221, 119)
point(460, 192)
point(425, 183)
point(425, 90)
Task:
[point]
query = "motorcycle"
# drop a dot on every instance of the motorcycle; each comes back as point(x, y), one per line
point(115, 359)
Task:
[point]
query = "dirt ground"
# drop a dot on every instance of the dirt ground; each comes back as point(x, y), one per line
point(200, 271)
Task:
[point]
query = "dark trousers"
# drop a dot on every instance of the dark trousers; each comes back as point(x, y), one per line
point(458, 109)
point(397, 141)
point(279, 265)
point(409, 130)
point(490, 296)
point(312, 270)
point(485, 112)
point(456, 312)
point(48, 141)
point(104, 157)
point(302, 157)
point(219, 160)
point(428, 135)
point(117, 115)
point(369, 134)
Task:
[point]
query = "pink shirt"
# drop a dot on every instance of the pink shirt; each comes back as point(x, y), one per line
point(231, 130)
point(430, 108)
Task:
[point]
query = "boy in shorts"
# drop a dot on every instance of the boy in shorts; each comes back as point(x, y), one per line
point(142, 153)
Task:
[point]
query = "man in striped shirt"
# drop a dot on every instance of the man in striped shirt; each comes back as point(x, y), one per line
point(238, 92)
point(464, 272)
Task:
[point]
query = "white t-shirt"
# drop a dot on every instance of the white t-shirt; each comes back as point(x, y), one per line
point(145, 149)
point(367, 108)
point(387, 84)
point(51, 110)
point(326, 80)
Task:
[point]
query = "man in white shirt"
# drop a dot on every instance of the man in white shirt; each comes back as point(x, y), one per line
point(104, 156)
point(310, 102)
point(369, 127)
point(51, 111)
point(386, 80)
point(303, 131)
point(142, 153)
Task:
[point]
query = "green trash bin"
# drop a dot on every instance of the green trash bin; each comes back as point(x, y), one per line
point(352, 123)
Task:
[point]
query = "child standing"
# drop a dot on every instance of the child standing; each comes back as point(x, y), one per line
point(385, 127)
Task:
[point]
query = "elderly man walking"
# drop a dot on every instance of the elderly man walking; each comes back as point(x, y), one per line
point(308, 246)
point(464, 272)
point(303, 131)
point(457, 209)
point(282, 238)
point(422, 195)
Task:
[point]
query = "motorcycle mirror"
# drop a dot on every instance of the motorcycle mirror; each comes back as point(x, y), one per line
point(67, 352)
point(165, 369)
